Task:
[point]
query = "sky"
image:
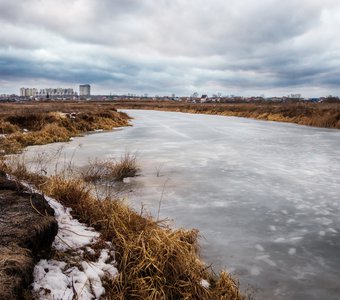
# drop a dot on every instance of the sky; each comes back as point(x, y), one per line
point(164, 47)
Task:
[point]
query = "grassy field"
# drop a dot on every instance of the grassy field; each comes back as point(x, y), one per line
point(312, 114)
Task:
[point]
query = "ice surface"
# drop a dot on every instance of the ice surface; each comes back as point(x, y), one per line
point(247, 185)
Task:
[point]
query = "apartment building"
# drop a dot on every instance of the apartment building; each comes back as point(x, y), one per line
point(84, 90)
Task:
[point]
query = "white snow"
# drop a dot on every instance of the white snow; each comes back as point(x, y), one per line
point(79, 278)
point(127, 180)
point(71, 234)
point(205, 283)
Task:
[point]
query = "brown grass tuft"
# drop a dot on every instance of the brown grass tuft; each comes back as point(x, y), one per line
point(108, 170)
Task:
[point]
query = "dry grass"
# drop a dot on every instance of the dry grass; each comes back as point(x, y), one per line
point(14, 262)
point(154, 260)
point(17, 168)
point(111, 169)
point(47, 122)
point(125, 167)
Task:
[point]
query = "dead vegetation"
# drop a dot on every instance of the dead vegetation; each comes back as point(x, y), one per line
point(312, 114)
point(154, 260)
point(14, 275)
point(111, 169)
point(23, 125)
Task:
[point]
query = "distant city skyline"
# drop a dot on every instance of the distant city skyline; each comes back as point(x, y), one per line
point(244, 47)
point(85, 90)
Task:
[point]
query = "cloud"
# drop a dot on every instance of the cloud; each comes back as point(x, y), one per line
point(178, 46)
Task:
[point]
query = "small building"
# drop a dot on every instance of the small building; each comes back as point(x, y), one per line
point(204, 98)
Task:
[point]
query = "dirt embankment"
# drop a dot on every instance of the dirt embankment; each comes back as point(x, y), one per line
point(27, 230)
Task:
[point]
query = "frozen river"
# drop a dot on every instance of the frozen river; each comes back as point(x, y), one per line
point(265, 196)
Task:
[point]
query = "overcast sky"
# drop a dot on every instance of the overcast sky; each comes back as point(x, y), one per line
point(240, 47)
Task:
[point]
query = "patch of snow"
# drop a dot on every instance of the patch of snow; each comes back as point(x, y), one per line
point(71, 234)
point(127, 180)
point(90, 250)
point(205, 283)
point(81, 280)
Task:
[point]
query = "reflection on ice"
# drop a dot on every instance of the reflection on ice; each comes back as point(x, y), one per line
point(264, 195)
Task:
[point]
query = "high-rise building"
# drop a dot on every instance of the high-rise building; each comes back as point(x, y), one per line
point(57, 93)
point(28, 92)
point(84, 90)
point(22, 92)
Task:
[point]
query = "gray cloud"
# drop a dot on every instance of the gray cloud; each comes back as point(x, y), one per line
point(177, 46)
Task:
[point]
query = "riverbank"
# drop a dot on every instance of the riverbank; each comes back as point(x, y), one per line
point(39, 123)
point(325, 115)
point(154, 261)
